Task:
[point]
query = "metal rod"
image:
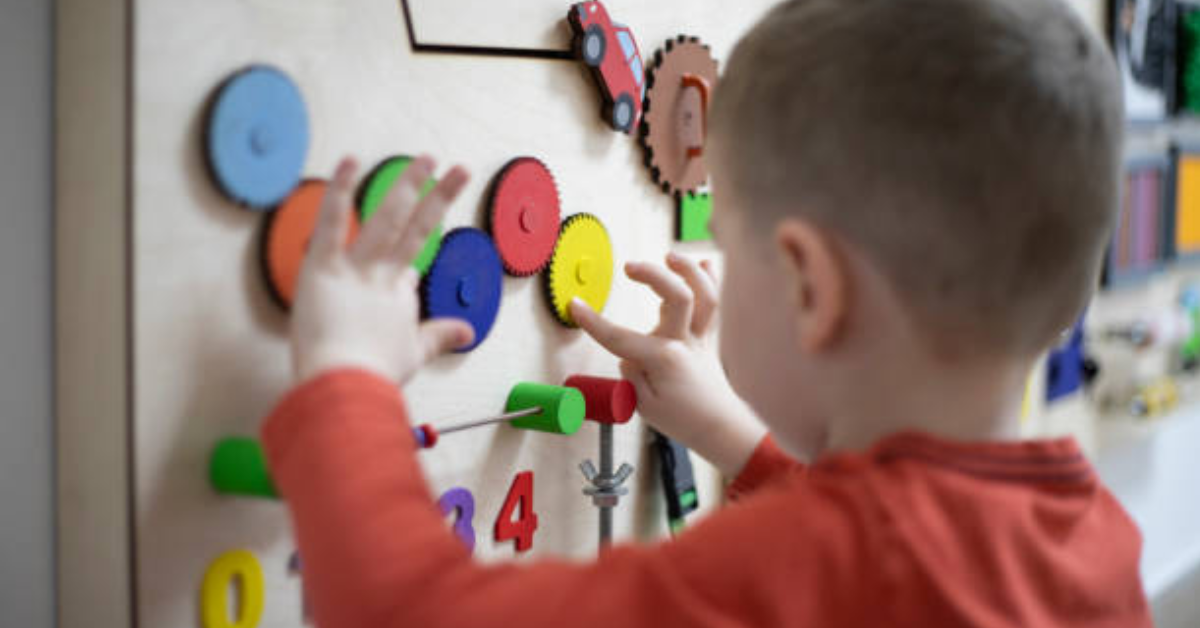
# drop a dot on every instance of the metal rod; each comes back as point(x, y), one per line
point(606, 471)
point(503, 418)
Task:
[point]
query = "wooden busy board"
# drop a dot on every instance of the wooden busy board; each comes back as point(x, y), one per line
point(169, 340)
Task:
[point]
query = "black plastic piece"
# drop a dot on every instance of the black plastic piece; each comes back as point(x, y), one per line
point(678, 479)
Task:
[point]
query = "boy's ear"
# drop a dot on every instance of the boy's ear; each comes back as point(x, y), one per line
point(816, 280)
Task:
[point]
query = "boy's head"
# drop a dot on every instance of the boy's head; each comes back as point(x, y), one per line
point(963, 153)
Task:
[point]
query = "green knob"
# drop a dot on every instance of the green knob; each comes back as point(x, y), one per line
point(562, 412)
point(238, 467)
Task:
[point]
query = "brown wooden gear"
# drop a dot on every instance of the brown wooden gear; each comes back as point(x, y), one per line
point(678, 83)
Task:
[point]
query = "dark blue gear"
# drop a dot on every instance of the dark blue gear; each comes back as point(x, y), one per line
point(465, 281)
point(257, 137)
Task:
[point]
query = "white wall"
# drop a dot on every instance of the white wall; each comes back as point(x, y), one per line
point(1152, 468)
point(26, 315)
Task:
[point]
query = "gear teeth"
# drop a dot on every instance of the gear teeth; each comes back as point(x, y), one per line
point(466, 252)
point(557, 301)
point(651, 115)
point(425, 286)
point(505, 172)
point(437, 262)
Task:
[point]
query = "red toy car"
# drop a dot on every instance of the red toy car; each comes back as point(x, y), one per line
point(611, 53)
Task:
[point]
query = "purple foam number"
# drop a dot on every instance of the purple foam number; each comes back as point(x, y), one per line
point(461, 502)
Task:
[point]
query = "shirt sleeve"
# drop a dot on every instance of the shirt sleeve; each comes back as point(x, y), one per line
point(377, 552)
point(767, 465)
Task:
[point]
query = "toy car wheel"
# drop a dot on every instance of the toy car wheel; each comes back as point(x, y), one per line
point(622, 113)
point(594, 45)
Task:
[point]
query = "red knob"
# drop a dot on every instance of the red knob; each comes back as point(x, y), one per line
point(608, 400)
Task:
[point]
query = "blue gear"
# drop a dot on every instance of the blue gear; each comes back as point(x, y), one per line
point(257, 137)
point(465, 281)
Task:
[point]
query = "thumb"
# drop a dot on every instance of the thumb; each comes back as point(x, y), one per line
point(443, 335)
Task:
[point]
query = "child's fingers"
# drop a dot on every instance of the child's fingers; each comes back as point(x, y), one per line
point(329, 235)
point(428, 214)
point(704, 291)
point(675, 316)
point(443, 335)
point(387, 224)
point(620, 341)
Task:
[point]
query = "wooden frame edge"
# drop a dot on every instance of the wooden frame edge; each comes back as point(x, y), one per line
point(93, 391)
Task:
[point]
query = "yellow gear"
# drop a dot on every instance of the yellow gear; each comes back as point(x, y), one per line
point(582, 266)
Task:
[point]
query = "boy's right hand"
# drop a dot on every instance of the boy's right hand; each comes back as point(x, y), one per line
point(682, 388)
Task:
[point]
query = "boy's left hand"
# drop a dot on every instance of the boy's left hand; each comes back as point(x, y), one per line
point(356, 305)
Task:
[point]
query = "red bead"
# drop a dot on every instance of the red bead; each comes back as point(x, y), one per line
point(431, 436)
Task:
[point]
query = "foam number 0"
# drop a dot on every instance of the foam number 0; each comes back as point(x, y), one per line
point(238, 566)
point(461, 502)
point(520, 493)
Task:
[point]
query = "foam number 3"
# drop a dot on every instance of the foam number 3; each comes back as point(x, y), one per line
point(242, 568)
point(521, 492)
point(461, 502)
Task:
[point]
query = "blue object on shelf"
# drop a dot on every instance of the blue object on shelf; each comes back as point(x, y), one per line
point(465, 281)
point(257, 137)
point(1065, 366)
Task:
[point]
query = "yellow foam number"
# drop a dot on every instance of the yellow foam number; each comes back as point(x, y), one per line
point(1187, 215)
point(237, 566)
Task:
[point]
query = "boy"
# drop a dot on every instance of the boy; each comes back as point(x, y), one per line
point(914, 197)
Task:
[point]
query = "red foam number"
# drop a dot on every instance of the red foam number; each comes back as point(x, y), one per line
point(521, 492)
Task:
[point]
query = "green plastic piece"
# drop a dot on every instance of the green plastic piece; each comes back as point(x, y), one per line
point(428, 252)
point(695, 212)
point(1189, 60)
point(376, 190)
point(562, 412)
point(688, 499)
point(238, 467)
point(1190, 351)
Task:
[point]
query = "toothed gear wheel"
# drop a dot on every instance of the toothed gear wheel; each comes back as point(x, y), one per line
point(465, 281)
point(582, 267)
point(523, 216)
point(674, 118)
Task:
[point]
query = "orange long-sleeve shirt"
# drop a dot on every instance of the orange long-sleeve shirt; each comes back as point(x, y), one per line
point(914, 532)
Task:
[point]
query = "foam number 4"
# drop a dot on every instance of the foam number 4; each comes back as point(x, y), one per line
point(461, 502)
point(241, 567)
point(521, 492)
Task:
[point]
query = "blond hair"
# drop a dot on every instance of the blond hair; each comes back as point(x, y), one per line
point(969, 148)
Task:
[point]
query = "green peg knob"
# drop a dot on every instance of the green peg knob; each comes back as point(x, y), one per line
point(562, 412)
point(238, 467)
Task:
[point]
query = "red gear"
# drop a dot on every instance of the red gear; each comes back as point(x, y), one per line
point(524, 215)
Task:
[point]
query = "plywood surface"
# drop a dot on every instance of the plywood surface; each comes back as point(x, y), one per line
point(210, 352)
point(508, 23)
